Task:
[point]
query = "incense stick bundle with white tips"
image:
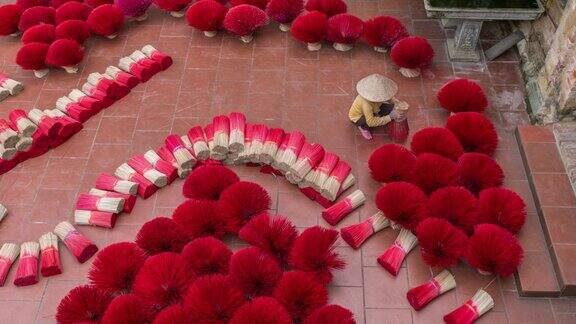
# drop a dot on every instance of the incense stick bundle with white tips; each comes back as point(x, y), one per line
point(84, 100)
point(128, 65)
point(323, 170)
point(392, 258)
point(8, 136)
point(331, 186)
point(7, 153)
point(199, 146)
point(209, 133)
point(420, 296)
point(111, 183)
point(80, 246)
point(49, 255)
point(67, 126)
point(4, 93)
point(334, 214)
point(308, 158)
point(13, 86)
point(145, 187)
point(187, 143)
point(162, 58)
point(142, 166)
point(3, 212)
point(182, 155)
point(95, 218)
point(294, 145)
point(73, 109)
point(161, 165)
point(257, 144)
point(355, 235)
point(244, 155)
point(45, 123)
point(27, 270)
point(143, 60)
point(96, 93)
point(166, 155)
point(122, 77)
point(23, 144)
point(8, 254)
point(23, 124)
point(472, 309)
point(237, 131)
point(105, 204)
point(129, 200)
point(102, 83)
point(273, 141)
point(221, 126)
point(280, 152)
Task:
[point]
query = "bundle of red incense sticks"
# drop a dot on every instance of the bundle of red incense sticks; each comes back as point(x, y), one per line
point(420, 296)
point(472, 309)
point(49, 255)
point(80, 246)
point(163, 166)
point(27, 269)
point(198, 142)
point(392, 258)
point(355, 235)
point(145, 187)
point(8, 254)
point(334, 214)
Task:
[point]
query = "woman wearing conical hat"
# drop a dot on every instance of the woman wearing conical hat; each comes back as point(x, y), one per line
point(375, 104)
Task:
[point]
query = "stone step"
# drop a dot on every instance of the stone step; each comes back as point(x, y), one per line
point(555, 202)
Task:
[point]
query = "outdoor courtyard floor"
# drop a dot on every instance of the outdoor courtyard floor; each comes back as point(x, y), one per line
point(276, 81)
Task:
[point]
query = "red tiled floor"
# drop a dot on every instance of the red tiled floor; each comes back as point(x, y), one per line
point(276, 81)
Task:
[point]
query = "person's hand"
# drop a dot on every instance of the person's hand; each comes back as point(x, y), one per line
point(397, 115)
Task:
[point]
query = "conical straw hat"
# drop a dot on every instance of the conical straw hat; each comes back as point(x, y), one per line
point(377, 88)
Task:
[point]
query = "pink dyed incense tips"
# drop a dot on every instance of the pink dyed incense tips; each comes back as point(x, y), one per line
point(45, 123)
point(183, 157)
point(142, 166)
point(143, 60)
point(97, 203)
point(94, 92)
point(145, 187)
point(67, 126)
point(80, 246)
point(86, 101)
point(129, 200)
point(49, 255)
point(95, 218)
point(290, 153)
point(111, 183)
point(161, 165)
point(221, 126)
point(420, 296)
point(8, 254)
point(73, 109)
point(27, 270)
point(22, 123)
point(122, 77)
point(158, 56)
point(355, 235)
point(331, 186)
point(108, 85)
point(257, 144)
point(392, 258)
point(271, 144)
point(166, 155)
point(334, 214)
point(237, 131)
point(199, 145)
point(128, 65)
point(472, 309)
point(310, 156)
point(317, 176)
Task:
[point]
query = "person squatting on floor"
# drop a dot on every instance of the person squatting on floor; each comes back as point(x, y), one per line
point(376, 104)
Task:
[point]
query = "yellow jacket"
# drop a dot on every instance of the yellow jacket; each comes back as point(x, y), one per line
point(368, 109)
